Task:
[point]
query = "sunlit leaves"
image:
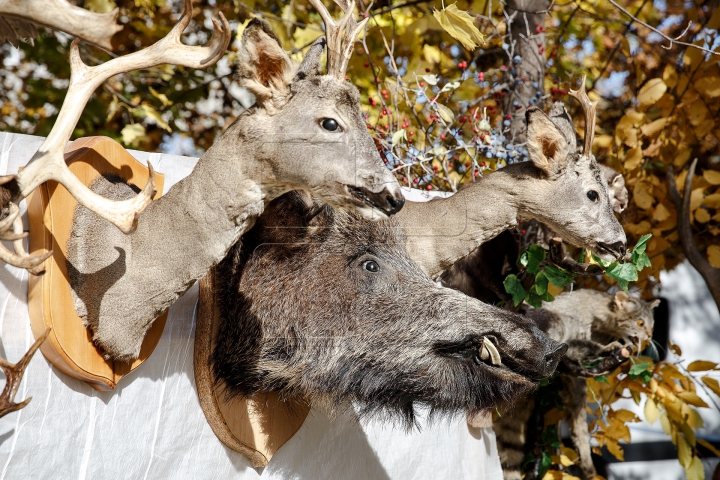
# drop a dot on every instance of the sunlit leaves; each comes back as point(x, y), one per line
point(460, 25)
point(651, 91)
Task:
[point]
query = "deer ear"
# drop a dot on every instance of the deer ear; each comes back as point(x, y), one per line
point(560, 117)
point(265, 69)
point(310, 65)
point(547, 146)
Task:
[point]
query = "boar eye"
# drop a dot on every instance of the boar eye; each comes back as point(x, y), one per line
point(371, 266)
point(330, 125)
point(592, 195)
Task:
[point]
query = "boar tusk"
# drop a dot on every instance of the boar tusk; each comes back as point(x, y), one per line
point(488, 349)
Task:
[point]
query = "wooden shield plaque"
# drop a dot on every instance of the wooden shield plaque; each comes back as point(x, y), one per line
point(50, 211)
point(257, 426)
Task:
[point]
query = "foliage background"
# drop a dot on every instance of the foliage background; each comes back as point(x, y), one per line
point(443, 115)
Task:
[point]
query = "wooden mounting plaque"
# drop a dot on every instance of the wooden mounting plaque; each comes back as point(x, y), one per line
point(51, 210)
point(256, 426)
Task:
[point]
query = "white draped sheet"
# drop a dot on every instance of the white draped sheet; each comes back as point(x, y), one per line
point(152, 426)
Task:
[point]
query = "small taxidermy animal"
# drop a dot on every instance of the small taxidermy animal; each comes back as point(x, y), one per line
point(592, 323)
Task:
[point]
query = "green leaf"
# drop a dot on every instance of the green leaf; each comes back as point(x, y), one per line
point(514, 287)
point(600, 261)
point(623, 273)
point(642, 243)
point(531, 258)
point(639, 368)
point(602, 378)
point(535, 298)
point(639, 257)
point(558, 277)
point(541, 283)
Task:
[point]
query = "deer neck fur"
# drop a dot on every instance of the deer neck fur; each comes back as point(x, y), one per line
point(444, 230)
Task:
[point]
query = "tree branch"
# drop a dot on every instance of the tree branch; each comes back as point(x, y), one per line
point(710, 274)
point(666, 37)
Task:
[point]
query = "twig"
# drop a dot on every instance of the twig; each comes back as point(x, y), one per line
point(666, 37)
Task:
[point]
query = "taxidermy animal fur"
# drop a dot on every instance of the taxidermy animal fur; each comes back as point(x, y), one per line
point(557, 186)
point(589, 321)
point(305, 132)
point(326, 306)
point(481, 274)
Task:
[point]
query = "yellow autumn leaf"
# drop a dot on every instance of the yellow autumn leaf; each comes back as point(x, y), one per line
point(712, 201)
point(652, 413)
point(432, 54)
point(695, 471)
point(670, 76)
point(131, 133)
point(642, 196)
point(666, 425)
point(460, 25)
point(661, 213)
point(602, 141)
point(696, 112)
point(633, 158)
point(702, 215)
point(713, 253)
point(708, 86)
point(692, 399)
point(701, 365)
point(712, 177)
point(652, 128)
point(616, 450)
point(445, 113)
point(684, 452)
point(652, 91)
point(696, 197)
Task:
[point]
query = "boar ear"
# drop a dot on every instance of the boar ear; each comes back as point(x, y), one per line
point(310, 65)
point(264, 68)
point(547, 146)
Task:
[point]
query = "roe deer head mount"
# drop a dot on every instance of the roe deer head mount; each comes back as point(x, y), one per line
point(559, 187)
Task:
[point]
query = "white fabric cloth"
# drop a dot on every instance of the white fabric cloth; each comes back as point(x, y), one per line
point(152, 425)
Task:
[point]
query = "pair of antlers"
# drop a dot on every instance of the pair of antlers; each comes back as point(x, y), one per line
point(589, 110)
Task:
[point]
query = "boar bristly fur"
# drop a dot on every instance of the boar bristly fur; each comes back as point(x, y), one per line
point(328, 307)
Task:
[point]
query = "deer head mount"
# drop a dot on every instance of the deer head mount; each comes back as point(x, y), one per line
point(304, 132)
point(559, 187)
point(358, 321)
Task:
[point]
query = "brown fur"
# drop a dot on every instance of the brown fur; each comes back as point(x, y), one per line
point(302, 315)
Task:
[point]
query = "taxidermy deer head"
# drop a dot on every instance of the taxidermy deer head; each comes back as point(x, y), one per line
point(326, 306)
point(305, 132)
point(559, 187)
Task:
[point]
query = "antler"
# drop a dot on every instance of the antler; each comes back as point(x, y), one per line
point(13, 377)
point(339, 46)
point(48, 163)
point(589, 108)
point(97, 28)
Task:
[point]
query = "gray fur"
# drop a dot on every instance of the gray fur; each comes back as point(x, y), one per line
point(276, 146)
point(551, 188)
point(303, 316)
point(589, 321)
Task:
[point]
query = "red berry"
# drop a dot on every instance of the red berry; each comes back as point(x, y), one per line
point(367, 64)
point(429, 187)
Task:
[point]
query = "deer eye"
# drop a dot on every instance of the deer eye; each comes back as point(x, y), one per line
point(371, 266)
point(592, 195)
point(330, 125)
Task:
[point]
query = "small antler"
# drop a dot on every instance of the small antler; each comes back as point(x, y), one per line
point(339, 45)
point(97, 28)
point(48, 163)
point(13, 377)
point(589, 108)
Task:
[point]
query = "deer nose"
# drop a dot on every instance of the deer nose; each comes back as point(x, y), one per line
point(618, 248)
point(552, 358)
point(395, 203)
